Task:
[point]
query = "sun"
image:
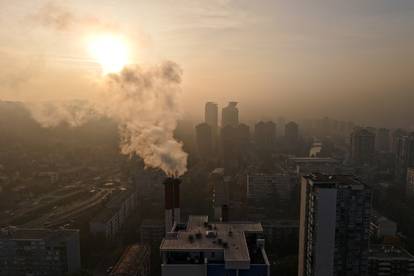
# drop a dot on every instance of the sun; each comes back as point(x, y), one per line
point(110, 51)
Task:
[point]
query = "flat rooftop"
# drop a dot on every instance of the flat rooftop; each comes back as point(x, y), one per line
point(312, 160)
point(388, 252)
point(233, 234)
point(337, 180)
point(12, 233)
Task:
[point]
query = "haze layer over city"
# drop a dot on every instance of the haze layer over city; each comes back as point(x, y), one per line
point(206, 138)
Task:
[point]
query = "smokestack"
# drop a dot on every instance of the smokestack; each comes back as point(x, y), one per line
point(172, 202)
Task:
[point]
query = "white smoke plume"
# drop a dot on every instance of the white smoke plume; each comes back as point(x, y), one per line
point(144, 103)
point(52, 114)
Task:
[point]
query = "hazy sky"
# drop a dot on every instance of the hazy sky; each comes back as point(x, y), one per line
point(347, 59)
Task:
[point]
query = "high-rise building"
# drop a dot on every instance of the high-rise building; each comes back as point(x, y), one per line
point(362, 146)
point(265, 135)
point(211, 118)
point(243, 135)
point(280, 126)
point(211, 115)
point(404, 156)
point(307, 165)
point(395, 136)
point(219, 193)
point(202, 248)
point(388, 260)
point(229, 143)
point(262, 186)
point(382, 140)
point(334, 226)
point(39, 251)
point(230, 115)
point(292, 132)
point(410, 181)
point(204, 138)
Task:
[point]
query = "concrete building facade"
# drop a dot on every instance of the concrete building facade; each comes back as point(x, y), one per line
point(334, 226)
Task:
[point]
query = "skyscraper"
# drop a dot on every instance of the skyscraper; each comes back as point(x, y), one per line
point(334, 226)
point(230, 115)
point(211, 114)
point(395, 136)
point(404, 155)
point(211, 118)
point(204, 138)
point(382, 140)
point(265, 135)
point(362, 146)
point(292, 132)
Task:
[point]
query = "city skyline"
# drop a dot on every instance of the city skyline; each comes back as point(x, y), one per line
point(296, 59)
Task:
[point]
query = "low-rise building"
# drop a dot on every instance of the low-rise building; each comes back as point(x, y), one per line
point(382, 227)
point(201, 248)
point(39, 252)
point(112, 217)
point(135, 261)
point(387, 260)
point(410, 181)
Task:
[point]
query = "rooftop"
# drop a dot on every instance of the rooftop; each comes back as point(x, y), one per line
point(338, 180)
point(388, 251)
point(13, 233)
point(313, 160)
point(202, 236)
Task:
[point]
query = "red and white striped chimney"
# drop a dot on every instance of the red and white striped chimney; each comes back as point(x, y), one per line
point(172, 202)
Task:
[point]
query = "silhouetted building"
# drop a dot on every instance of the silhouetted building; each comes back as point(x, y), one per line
point(395, 136)
point(410, 181)
point(362, 146)
point(205, 249)
point(211, 118)
point(211, 115)
point(230, 115)
point(219, 192)
point(388, 260)
point(280, 131)
point(280, 231)
point(262, 187)
point(229, 143)
point(204, 138)
point(243, 135)
point(292, 132)
point(334, 226)
point(265, 135)
point(382, 140)
point(307, 165)
point(404, 156)
point(38, 252)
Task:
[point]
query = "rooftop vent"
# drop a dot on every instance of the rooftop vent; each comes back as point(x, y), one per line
point(211, 234)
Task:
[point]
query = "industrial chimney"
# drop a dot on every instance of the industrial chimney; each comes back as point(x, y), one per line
point(172, 202)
